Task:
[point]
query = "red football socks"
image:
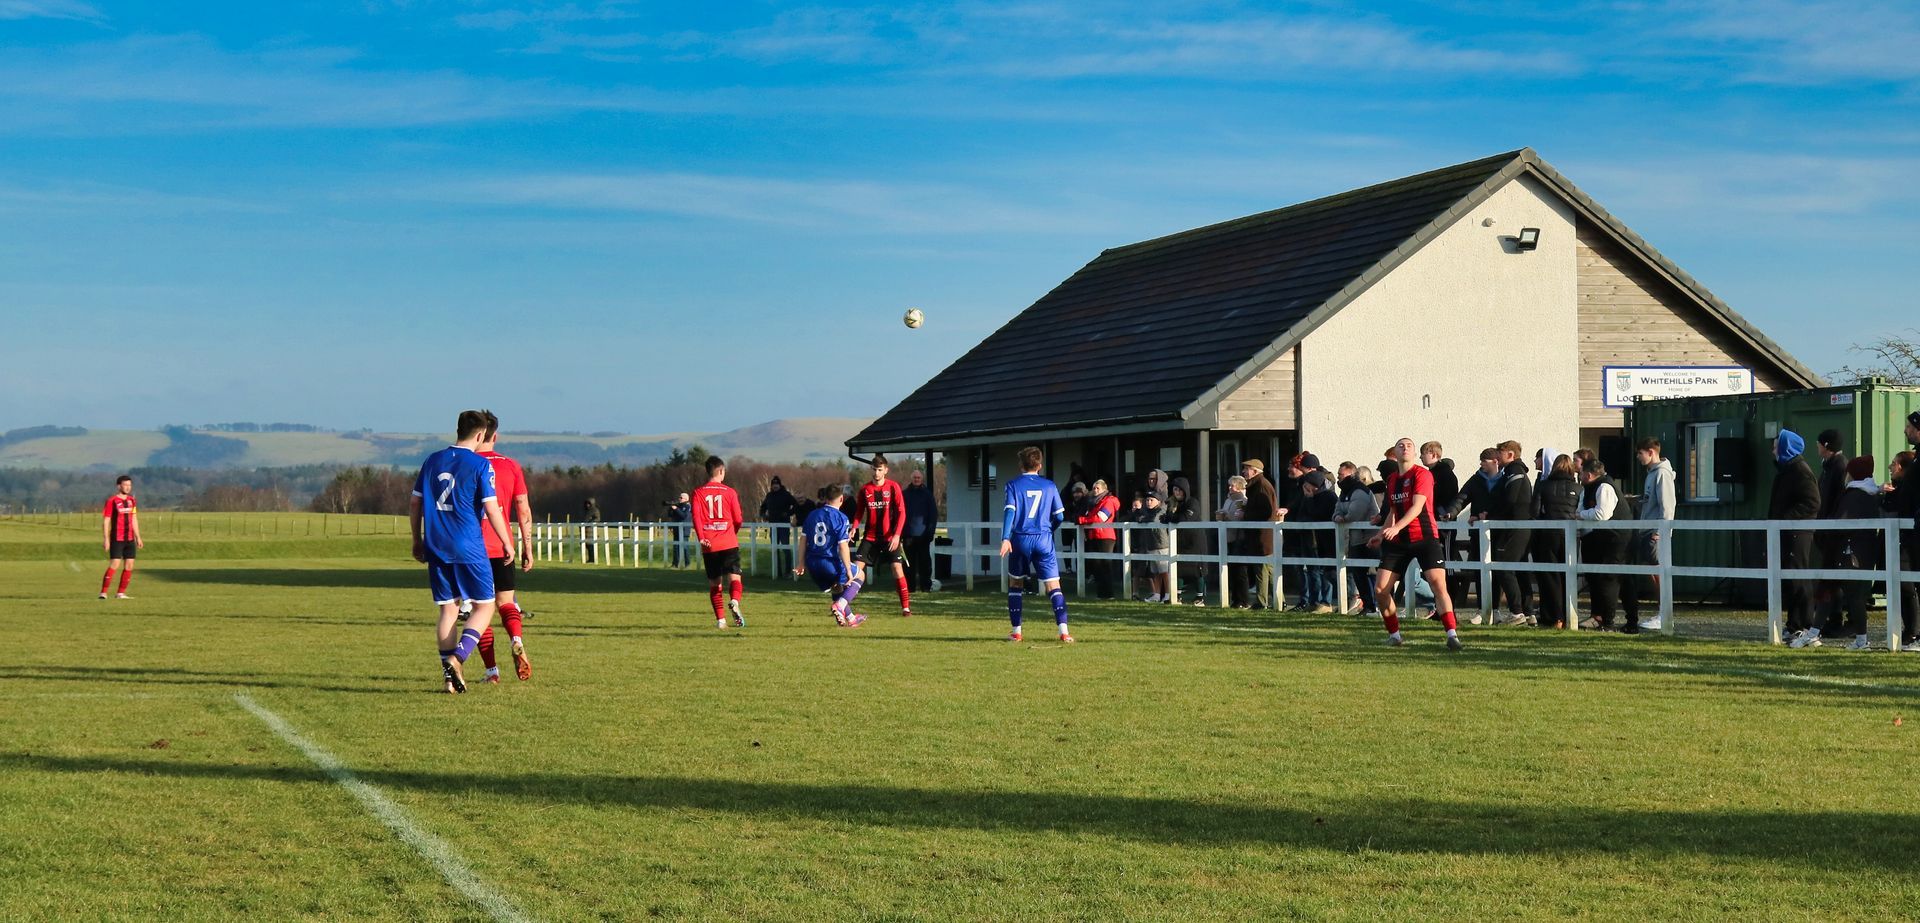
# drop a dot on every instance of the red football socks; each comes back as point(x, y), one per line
point(106, 582)
point(906, 598)
point(486, 647)
point(510, 614)
point(126, 577)
point(719, 602)
point(1393, 623)
point(737, 589)
point(1447, 620)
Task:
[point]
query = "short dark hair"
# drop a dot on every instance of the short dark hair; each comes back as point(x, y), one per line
point(1030, 458)
point(1596, 466)
point(122, 479)
point(715, 463)
point(471, 422)
point(880, 458)
point(1582, 454)
point(1650, 444)
point(1831, 439)
point(493, 425)
point(1490, 453)
point(831, 492)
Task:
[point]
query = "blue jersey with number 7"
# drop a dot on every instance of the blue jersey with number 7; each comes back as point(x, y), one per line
point(1033, 507)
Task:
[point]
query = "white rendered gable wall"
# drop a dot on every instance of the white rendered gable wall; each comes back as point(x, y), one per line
point(1466, 342)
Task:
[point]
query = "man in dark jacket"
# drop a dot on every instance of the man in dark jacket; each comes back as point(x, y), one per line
point(1475, 499)
point(1796, 495)
point(923, 520)
point(679, 511)
point(1512, 500)
point(1317, 501)
point(1446, 483)
point(1830, 594)
point(1262, 508)
point(777, 508)
point(1181, 508)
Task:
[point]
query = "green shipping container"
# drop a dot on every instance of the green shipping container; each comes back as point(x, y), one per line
point(1722, 454)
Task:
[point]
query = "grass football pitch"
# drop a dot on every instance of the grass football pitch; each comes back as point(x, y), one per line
point(1178, 764)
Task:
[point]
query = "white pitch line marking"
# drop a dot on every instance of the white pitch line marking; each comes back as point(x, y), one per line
point(1589, 658)
point(435, 850)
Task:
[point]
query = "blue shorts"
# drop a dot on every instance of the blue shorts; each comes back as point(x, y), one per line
point(826, 574)
point(1033, 556)
point(452, 582)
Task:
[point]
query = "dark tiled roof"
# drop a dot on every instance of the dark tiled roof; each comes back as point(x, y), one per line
point(1138, 333)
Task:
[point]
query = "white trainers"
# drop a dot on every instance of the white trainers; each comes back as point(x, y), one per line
point(1153, 599)
point(1808, 638)
point(1652, 624)
point(1512, 618)
point(1861, 643)
point(1475, 620)
point(1590, 624)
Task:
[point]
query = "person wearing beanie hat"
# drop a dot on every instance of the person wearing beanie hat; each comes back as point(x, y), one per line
point(1796, 495)
point(1309, 462)
point(1317, 505)
point(1857, 549)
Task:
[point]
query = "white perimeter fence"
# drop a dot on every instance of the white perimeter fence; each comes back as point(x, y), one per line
point(973, 550)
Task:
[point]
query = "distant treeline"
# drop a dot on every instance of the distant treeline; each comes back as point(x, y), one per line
point(621, 493)
point(254, 428)
point(230, 490)
point(25, 433)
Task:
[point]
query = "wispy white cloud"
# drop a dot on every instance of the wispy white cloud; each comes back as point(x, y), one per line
point(506, 18)
point(91, 197)
point(184, 82)
point(1761, 193)
point(1808, 41)
point(853, 206)
point(50, 9)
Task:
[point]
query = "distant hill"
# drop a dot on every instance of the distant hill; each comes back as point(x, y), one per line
point(77, 449)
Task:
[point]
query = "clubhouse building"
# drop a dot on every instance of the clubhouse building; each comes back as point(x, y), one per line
point(1480, 302)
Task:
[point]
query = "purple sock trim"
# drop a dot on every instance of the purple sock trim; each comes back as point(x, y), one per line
point(469, 639)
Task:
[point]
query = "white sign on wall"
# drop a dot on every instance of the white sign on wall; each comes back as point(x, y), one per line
point(1624, 384)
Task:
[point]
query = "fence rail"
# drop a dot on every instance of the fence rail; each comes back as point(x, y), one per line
point(972, 552)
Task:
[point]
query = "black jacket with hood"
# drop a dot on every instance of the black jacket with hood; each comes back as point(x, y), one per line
point(1181, 507)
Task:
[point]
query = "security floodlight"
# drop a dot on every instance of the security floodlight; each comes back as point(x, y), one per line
point(1528, 239)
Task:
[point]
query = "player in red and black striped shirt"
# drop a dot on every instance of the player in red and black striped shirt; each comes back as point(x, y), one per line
point(883, 516)
point(120, 535)
point(1408, 533)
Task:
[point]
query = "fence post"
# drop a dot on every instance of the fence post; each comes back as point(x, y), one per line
point(1226, 570)
point(1896, 618)
point(1570, 573)
point(1663, 556)
point(1173, 564)
point(1279, 587)
point(966, 549)
point(1483, 540)
point(1080, 562)
point(1340, 568)
point(1126, 562)
point(1773, 583)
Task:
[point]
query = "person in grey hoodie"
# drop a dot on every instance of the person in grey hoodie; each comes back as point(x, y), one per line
point(1656, 506)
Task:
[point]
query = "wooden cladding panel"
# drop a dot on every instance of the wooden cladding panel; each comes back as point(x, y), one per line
point(1268, 400)
point(1631, 316)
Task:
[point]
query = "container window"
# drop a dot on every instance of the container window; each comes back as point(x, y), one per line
point(1701, 486)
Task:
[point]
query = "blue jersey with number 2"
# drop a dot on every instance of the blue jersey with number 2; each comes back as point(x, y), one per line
point(453, 488)
point(1033, 507)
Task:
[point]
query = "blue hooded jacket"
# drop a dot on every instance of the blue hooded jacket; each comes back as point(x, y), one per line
point(1790, 446)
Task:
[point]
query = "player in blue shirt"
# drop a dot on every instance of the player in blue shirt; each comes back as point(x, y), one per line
point(1033, 511)
point(450, 498)
point(826, 540)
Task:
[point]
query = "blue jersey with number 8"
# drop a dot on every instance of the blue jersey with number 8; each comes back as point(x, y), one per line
point(1033, 507)
point(825, 528)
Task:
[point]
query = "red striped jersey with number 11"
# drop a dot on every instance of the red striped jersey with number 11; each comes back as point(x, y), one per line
point(716, 516)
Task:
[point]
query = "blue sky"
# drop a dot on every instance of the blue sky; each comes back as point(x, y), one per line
point(654, 217)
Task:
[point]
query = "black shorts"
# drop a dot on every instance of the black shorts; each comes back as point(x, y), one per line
point(122, 551)
point(721, 563)
point(505, 576)
point(1396, 555)
point(878, 554)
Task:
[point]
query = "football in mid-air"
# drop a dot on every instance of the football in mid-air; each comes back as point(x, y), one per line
point(915, 317)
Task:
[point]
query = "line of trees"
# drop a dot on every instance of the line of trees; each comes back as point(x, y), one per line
point(621, 493)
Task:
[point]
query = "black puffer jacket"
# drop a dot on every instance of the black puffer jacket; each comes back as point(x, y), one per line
point(1513, 496)
point(1181, 507)
point(1559, 497)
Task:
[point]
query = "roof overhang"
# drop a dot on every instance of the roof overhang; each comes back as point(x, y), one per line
point(971, 439)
